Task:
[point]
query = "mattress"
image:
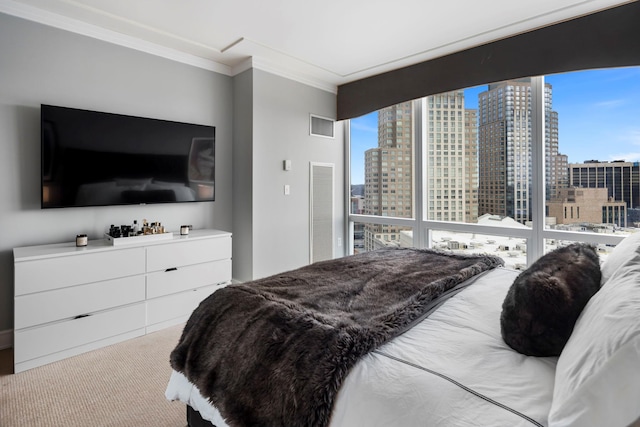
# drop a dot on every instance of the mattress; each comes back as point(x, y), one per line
point(451, 369)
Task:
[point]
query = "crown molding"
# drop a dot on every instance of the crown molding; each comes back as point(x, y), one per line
point(54, 20)
point(270, 67)
point(51, 19)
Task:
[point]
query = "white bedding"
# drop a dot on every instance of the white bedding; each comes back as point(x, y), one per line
point(452, 369)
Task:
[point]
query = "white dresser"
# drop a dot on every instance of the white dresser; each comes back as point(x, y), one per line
point(70, 300)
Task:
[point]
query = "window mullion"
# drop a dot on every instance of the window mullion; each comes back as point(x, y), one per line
point(535, 245)
point(348, 223)
point(420, 125)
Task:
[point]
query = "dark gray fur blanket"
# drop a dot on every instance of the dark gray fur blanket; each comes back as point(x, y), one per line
point(274, 351)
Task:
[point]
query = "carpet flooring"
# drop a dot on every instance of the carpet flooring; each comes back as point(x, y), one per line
point(121, 385)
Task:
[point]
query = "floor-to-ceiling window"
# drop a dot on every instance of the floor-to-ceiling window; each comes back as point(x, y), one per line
point(514, 168)
point(382, 177)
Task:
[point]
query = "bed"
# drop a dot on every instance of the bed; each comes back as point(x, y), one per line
point(442, 364)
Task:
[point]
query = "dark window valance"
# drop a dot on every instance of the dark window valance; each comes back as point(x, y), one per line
point(610, 38)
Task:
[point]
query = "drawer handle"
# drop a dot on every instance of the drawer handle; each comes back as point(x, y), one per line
point(80, 316)
point(171, 269)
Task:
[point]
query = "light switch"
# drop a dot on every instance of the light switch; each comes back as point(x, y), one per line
point(287, 189)
point(286, 165)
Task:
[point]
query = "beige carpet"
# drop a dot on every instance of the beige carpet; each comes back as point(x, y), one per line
point(120, 385)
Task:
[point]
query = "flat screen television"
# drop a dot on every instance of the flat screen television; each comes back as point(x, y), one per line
point(92, 158)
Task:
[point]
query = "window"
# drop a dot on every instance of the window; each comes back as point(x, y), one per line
point(379, 143)
point(508, 144)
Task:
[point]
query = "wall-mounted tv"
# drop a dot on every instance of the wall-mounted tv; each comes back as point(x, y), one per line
point(92, 158)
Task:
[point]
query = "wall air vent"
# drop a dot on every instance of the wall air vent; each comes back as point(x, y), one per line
point(321, 126)
point(321, 221)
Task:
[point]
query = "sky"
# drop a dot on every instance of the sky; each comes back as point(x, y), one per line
point(598, 117)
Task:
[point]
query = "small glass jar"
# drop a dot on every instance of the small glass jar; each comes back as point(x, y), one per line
point(81, 240)
point(184, 230)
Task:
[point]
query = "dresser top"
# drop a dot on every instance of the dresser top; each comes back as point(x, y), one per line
point(29, 253)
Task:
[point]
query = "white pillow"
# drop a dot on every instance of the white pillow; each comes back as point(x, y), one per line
point(625, 252)
point(598, 372)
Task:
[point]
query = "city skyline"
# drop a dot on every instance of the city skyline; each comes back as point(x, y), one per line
point(589, 104)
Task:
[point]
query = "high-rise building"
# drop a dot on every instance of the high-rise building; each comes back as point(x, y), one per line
point(451, 158)
point(388, 189)
point(620, 178)
point(504, 150)
point(451, 171)
point(471, 165)
point(556, 164)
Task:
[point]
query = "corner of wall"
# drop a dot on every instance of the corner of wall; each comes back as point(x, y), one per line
point(6, 339)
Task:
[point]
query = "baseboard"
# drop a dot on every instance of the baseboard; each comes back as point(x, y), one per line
point(6, 339)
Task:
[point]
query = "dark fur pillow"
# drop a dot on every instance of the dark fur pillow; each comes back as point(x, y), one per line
point(544, 302)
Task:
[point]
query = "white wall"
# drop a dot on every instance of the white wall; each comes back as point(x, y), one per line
point(43, 65)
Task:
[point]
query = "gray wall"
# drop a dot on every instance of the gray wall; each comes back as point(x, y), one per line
point(242, 176)
point(261, 119)
point(43, 65)
point(278, 119)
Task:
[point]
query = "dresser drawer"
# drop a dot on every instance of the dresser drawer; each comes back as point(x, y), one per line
point(187, 252)
point(66, 303)
point(177, 305)
point(51, 273)
point(55, 337)
point(190, 277)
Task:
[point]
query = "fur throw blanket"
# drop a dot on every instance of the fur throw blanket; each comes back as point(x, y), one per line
point(274, 351)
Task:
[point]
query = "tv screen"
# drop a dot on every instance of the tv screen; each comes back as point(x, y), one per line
point(92, 158)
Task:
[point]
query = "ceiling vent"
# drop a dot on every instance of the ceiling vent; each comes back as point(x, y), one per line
point(321, 126)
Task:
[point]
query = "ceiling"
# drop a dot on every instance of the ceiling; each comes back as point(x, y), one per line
point(325, 43)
